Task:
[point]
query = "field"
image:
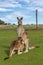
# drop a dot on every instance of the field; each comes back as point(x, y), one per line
point(33, 57)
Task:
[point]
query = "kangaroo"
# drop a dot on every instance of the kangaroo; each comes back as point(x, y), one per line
point(22, 34)
point(15, 45)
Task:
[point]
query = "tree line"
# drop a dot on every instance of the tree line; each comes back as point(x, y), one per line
point(3, 23)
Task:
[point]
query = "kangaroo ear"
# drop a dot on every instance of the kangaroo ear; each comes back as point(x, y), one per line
point(17, 18)
point(21, 18)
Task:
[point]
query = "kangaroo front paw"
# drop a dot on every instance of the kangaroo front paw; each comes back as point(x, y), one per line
point(25, 51)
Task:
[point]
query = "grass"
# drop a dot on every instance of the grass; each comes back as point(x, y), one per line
point(33, 57)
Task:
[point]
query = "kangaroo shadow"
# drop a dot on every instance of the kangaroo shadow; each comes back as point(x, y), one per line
point(7, 51)
point(7, 48)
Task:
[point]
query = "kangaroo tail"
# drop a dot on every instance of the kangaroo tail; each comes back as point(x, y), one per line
point(32, 47)
point(6, 58)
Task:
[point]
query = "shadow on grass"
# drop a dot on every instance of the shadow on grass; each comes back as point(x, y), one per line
point(7, 52)
point(6, 49)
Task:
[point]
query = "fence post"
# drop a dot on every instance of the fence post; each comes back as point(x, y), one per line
point(36, 19)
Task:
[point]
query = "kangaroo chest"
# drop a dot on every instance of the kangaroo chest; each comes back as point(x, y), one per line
point(20, 30)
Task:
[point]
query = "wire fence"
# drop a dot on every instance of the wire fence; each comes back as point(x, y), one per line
point(27, 27)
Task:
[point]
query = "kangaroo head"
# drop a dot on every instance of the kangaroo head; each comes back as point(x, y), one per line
point(19, 21)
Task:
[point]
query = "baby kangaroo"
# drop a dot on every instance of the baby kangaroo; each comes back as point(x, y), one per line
point(15, 45)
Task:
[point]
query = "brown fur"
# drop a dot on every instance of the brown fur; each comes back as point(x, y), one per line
point(15, 45)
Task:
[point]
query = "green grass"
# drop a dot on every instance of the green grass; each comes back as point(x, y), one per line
point(33, 57)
